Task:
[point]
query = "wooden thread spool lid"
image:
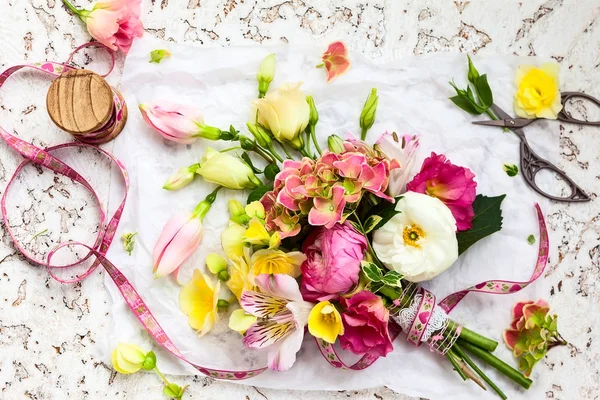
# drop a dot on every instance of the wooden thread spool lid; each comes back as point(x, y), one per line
point(80, 101)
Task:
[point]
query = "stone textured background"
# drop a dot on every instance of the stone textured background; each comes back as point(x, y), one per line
point(48, 331)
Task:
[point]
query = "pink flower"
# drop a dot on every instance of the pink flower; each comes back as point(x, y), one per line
point(327, 211)
point(403, 150)
point(177, 241)
point(176, 122)
point(114, 23)
point(450, 183)
point(365, 325)
point(332, 262)
point(335, 60)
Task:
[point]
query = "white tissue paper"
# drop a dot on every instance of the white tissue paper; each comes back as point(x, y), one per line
point(413, 98)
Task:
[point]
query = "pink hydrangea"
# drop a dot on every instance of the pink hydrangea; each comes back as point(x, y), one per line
point(451, 184)
point(332, 262)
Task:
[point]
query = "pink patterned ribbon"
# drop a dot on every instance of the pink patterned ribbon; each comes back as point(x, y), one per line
point(107, 230)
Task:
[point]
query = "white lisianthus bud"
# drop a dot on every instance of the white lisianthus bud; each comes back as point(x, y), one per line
point(226, 170)
point(420, 241)
point(265, 74)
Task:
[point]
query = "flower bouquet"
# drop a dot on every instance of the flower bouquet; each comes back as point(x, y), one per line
point(333, 241)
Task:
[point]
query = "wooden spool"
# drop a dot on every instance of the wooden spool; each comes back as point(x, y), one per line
point(81, 102)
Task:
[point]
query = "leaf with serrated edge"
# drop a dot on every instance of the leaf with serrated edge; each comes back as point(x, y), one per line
point(487, 220)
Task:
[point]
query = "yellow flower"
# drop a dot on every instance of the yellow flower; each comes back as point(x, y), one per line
point(128, 358)
point(538, 94)
point(256, 233)
point(255, 209)
point(232, 241)
point(198, 300)
point(239, 321)
point(239, 273)
point(325, 322)
point(268, 261)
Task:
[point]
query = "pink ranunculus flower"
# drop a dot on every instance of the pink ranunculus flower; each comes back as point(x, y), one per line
point(365, 325)
point(452, 184)
point(114, 23)
point(332, 262)
point(403, 150)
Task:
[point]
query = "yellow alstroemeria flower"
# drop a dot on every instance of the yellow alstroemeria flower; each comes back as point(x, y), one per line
point(239, 275)
point(538, 94)
point(325, 322)
point(128, 358)
point(232, 241)
point(256, 233)
point(239, 321)
point(198, 300)
point(269, 261)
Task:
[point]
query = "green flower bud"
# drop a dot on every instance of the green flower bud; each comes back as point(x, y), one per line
point(473, 73)
point(335, 144)
point(174, 391)
point(297, 143)
point(149, 362)
point(215, 263)
point(265, 74)
point(235, 208)
point(156, 56)
point(223, 304)
point(367, 116)
point(247, 143)
point(181, 178)
point(314, 114)
point(260, 134)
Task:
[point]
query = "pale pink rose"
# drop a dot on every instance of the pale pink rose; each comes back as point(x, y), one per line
point(365, 325)
point(332, 262)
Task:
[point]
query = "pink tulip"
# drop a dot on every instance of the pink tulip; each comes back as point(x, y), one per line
point(113, 23)
point(177, 241)
point(332, 262)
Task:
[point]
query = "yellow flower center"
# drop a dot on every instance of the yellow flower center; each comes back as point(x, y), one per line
point(412, 234)
point(328, 314)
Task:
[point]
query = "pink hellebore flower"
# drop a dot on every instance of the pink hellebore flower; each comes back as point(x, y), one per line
point(281, 315)
point(114, 23)
point(452, 184)
point(176, 122)
point(332, 262)
point(365, 325)
point(403, 150)
point(335, 60)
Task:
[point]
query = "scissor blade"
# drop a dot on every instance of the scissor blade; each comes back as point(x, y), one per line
point(499, 112)
point(500, 122)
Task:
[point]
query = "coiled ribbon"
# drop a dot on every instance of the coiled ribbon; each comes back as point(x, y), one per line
point(108, 228)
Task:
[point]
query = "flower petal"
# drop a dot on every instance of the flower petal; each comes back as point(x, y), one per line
point(284, 356)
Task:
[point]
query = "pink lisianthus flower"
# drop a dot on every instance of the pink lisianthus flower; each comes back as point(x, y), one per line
point(332, 262)
point(114, 23)
point(452, 184)
point(365, 325)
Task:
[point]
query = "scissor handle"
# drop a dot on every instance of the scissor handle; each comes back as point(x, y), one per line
point(565, 116)
point(531, 164)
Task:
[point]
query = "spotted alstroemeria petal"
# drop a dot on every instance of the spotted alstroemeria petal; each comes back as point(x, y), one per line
point(265, 333)
point(263, 305)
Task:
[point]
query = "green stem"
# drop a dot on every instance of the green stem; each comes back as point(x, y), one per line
point(287, 153)
point(493, 116)
point(162, 376)
point(363, 133)
point(479, 372)
point(230, 149)
point(274, 153)
point(264, 154)
point(72, 8)
point(452, 357)
point(313, 135)
point(478, 340)
point(38, 234)
point(495, 362)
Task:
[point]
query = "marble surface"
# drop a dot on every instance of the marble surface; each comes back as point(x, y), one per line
point(48, 331)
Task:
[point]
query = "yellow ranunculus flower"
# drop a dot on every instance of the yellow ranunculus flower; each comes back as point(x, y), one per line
point(239, 275)
point(232, 241)
point(256, 233)
point(325, 322)
point(128, 358)
point(538, 94)
point(268, 261)
point(239, 321)
point(283, 111)
point(198, 300)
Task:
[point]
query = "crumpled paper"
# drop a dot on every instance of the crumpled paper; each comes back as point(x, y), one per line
point(413, 98)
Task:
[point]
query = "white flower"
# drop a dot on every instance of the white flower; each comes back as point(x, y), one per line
point(419, 242)
point(404, 150)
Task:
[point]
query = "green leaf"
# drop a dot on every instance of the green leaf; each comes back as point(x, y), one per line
point(511, 169)
point(371, 223)
point(466, 104)
point(484, 92)
point(371, 271)
point(393, 279)
point(487, 220)
point(473, 73)
point(271, 171)
point(248, 161)
point(258, 192)
point(354, 224)
point(156, 56)
point(531, 239)
point(374, 287)
point(386, 211)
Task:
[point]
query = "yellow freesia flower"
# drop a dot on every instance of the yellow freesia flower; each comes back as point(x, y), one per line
point(538, 94)
point(239, 275)
point(239, 321)
point(325, 322)
point(128, 358)
point(198, 300)
point(255, 209)
point(269, 261)
point(232, 241)
point(256, 233)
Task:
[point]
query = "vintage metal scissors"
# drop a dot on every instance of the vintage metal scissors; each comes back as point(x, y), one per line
point(531, 163)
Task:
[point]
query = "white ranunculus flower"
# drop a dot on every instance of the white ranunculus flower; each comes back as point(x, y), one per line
point(419, 242)
point(283, 111)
